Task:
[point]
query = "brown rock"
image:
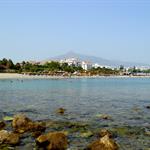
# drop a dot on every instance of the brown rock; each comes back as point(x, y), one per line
point(8, 137)
point(2, 125)
point(61, 111)
point(38, 126)
point(104, 132)
point(41, 139)
point(147, 132)
point(36, 134)
point(105, 117)
point(23, 124)
point(53, 141)
point(104, 143)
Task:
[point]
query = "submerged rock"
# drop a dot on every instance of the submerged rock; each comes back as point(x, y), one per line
point(53, 141)
point(104, 143)
point(7, 137)
point(121, 131)
point(86, 134)
point(147, 132)
point(23, 124)
point(148, 107)
point(61, 111)
point(2, 125)
point(36, 134)
point(104, 116)
point(104, 132)
point(136, 109)
point(8, 118)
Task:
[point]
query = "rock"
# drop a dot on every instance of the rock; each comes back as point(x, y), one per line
point(148, 107)
point(8, 118)
point(61, 111)
point(38, 126)
point(23, 124)
point(121, 131)
point(103, 116)
point(53, 141)
point(36, 134)
point(86, 134)
point(136, 109)
point(147, 132)
point(104, 143)
point(8, 137)
point(65, 133)
point(2, 125)
point(104, 132)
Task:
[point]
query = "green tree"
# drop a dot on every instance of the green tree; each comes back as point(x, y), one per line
point(10, 64)
point(53, 66)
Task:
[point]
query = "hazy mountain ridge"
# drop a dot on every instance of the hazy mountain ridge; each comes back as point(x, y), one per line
point(99, 60)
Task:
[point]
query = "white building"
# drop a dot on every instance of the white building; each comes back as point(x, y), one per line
point(142, 68)
point(71, 61)
point(96, 65)
point(86, 65)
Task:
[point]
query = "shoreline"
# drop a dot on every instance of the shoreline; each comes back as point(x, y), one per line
point(22, 76)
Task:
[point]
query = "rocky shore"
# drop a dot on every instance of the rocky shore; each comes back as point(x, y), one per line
point(21, 133)
point(22, 127)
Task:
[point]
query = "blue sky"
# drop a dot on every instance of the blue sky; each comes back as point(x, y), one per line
point(39, 29)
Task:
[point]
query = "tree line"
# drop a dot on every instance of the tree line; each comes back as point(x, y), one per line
point(7, 65)
point(53, 67)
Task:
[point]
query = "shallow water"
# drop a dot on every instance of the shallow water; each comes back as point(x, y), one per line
point(124, 99)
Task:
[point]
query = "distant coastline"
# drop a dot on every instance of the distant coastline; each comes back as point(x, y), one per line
point(24, 76)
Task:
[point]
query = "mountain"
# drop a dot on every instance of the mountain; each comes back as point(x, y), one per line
point(99, 60)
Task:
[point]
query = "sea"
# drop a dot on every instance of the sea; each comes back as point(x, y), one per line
point(124, 100)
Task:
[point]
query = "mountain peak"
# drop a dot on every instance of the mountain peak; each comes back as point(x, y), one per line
point(71, 54)
point(95, 59)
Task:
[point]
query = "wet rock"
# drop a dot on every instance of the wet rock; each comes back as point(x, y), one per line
point(104, 143)
point(65, 133)
point(147, 132)
point(104, 116)
point(53, 141)
point(61, 111)
point(2, 125)
point(86, 134)
point(148, 107)
point(38, 126)
point(104, 132)
point(8, 137)
point(136, 109)
point(36, 134)
point(23, 124)
point(8, 118)
point(121, 131)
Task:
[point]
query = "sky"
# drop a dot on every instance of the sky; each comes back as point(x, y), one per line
point(40, 29)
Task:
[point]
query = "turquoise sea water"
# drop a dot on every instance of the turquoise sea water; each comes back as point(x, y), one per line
point(124, 99)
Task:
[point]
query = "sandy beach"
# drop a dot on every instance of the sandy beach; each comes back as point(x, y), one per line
point(22, 76)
